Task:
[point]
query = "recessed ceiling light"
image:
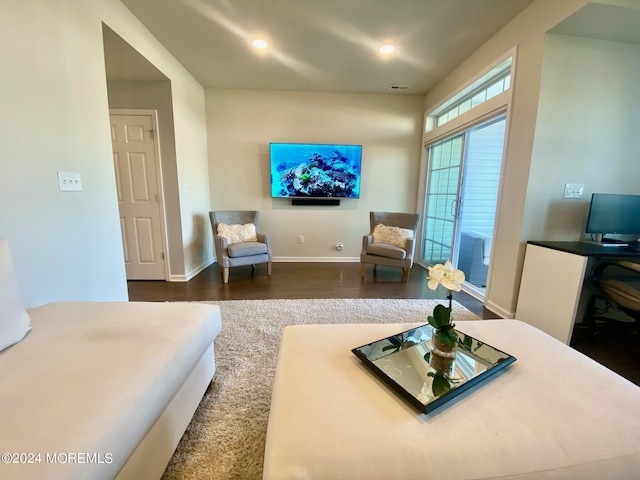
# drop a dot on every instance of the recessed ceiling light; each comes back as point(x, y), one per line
point(260, 43)
point(387, 49)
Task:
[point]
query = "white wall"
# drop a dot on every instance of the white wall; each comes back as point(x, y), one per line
point(193, 175)
point(55, 117)
point(526, 32)
point(242, 123)
point(188, 106)
point(67, 246)
point(586, 132)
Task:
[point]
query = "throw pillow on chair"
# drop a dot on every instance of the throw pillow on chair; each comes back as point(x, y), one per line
point(238, 233)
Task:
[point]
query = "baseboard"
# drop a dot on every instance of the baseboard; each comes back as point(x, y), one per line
point(498, 310)
point(178, 278)
point(196, 271)
point(317, 259)
point(191, 274)
point(200, 268)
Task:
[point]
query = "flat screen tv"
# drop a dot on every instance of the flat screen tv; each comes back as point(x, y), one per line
point(614, 213)
point(311, 170)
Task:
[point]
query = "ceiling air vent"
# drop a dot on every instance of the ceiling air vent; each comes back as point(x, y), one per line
point(398, 87)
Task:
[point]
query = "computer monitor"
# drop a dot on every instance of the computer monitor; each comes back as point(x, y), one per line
point(611, 213)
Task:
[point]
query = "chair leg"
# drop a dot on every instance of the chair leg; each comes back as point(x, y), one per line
point(405, 276)
point(362, 270)
point(269, 268)
point(225, 275)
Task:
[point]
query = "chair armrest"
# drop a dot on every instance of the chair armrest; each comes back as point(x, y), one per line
point(409, 248)
point(221, 245)
point(629, 265)
point(614, 268)
point(366, 241)
point(264, 238)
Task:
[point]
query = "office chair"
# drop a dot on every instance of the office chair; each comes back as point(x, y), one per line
point(617, 289)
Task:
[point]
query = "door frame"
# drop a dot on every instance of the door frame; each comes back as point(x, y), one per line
point(159, 178)
point(498, 105)
point(485, 119)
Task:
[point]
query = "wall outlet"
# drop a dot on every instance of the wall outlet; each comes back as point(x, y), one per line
point(339, 246)
point(300, 238)
point(573, 190)
point(69, 182)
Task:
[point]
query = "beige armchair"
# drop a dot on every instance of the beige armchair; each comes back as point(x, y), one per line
point(240, 244)
point(390, 242)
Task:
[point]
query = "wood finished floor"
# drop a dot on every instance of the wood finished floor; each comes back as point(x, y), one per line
point(342, 280)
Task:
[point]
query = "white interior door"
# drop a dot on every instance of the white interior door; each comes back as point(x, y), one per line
point(137, 170)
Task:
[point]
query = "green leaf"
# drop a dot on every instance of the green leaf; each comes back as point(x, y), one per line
point(441, 315)
point(468, 341)
point(440, 384)
point(448, 336)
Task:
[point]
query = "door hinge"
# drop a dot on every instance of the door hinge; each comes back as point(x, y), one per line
point(157, 197)
point(162, 255)
point(152, 133)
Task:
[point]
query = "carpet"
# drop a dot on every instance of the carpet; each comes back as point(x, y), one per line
point(226, 437)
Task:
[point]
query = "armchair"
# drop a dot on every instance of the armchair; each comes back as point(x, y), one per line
point(237, 241)
point(390, 242)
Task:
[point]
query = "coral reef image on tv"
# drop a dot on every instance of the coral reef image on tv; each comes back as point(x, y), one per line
point(315, 170)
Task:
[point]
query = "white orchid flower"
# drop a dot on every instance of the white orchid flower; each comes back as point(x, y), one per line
point(435, 276)
point(445, 275)
point(453, 281)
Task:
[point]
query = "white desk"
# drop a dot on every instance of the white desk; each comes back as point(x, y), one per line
point(552, 295)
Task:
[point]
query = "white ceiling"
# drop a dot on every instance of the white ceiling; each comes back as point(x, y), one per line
point(605, 22)
point(316, 45)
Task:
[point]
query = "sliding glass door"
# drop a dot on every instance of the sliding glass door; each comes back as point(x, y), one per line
point(445, 162)
point(462, 194)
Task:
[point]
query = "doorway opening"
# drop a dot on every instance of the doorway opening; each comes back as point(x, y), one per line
point(461, 198)
point(135, 86)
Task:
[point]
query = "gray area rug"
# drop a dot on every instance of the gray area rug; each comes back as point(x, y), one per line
point(226, 437)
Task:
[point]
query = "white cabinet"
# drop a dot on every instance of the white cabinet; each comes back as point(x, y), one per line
point(550, 290)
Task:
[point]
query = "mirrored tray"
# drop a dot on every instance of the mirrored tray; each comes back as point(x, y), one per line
point(426, 380)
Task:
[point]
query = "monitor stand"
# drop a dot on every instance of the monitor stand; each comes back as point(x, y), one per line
point(612, 242)
point(602, 241)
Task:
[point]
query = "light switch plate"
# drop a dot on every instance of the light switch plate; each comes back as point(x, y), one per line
point(69, 182)
point(573, 190)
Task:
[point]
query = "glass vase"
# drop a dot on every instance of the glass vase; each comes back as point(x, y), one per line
point(441, 348)
point(441, 364)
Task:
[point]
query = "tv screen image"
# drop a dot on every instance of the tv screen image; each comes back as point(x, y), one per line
point(315, 170)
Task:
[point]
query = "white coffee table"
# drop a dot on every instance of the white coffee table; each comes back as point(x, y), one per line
point(553, 414)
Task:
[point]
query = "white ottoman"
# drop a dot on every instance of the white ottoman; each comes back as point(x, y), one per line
point(553, 414)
